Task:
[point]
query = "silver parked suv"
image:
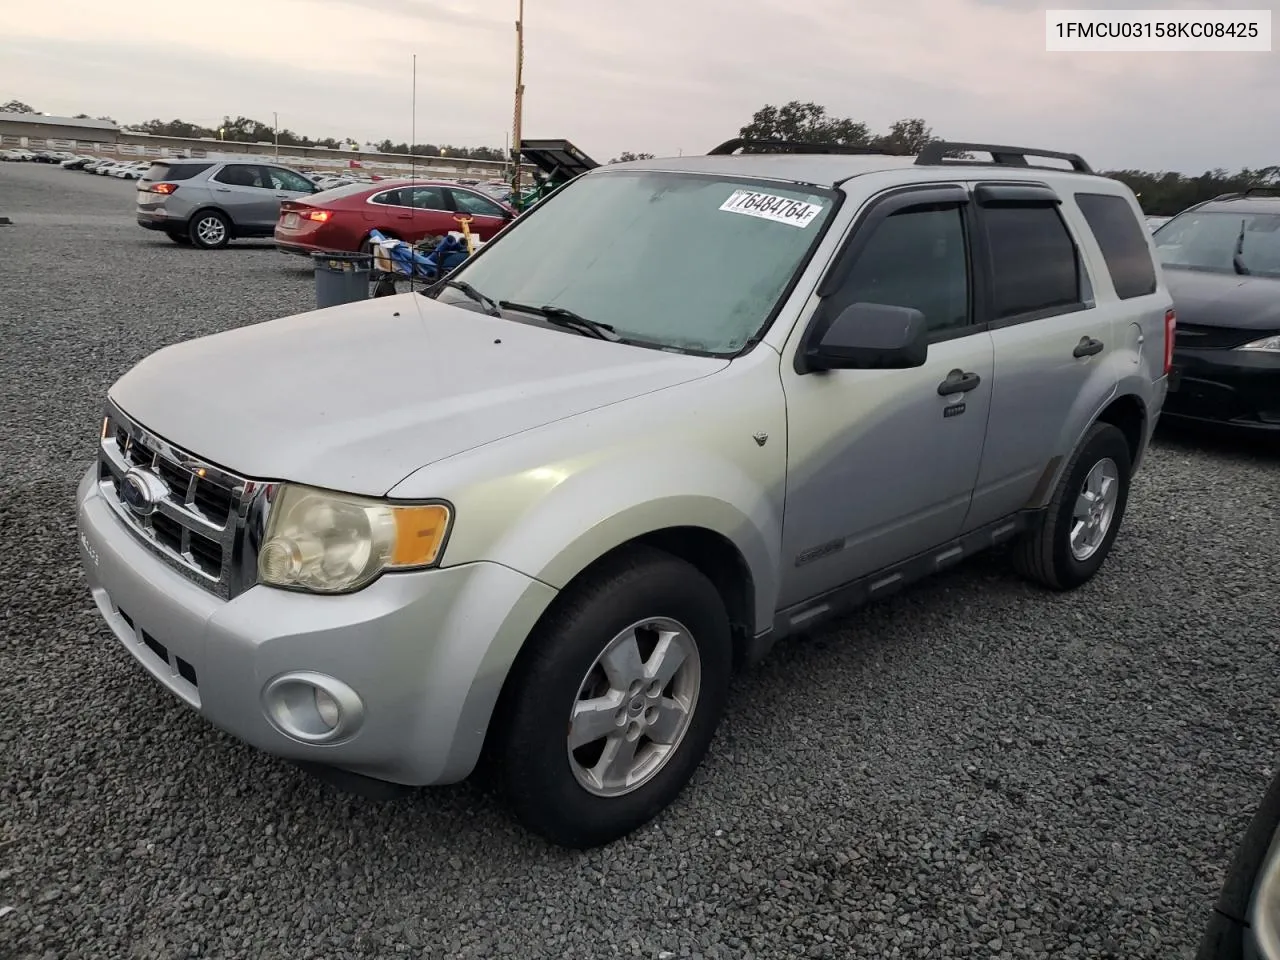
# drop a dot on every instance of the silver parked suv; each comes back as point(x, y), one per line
point(533, 520)
point(209, 203)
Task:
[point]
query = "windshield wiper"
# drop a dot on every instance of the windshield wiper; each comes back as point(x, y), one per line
point(1237, 258)
point(562, 317)
point(472, 293)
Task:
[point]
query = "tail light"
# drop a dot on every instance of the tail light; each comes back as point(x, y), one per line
point(1170, 325)
point(164, 189)
point(319, 216)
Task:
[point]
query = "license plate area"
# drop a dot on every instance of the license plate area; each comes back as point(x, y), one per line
point(291, 220)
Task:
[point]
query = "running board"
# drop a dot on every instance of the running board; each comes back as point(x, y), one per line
point(883, 583)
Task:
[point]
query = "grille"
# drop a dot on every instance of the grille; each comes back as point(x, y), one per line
point(195, 524)
point(1196, 337)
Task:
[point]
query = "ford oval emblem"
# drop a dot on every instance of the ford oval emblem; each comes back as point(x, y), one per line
point(138, 495)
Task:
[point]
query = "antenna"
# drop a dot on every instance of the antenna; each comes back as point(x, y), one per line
point(413, 124)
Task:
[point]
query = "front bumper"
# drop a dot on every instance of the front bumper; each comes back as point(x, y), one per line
point(426, 652)
point(1240, 388)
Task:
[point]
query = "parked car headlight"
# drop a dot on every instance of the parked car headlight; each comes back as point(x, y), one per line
point(1266, 344)
point(325, 542)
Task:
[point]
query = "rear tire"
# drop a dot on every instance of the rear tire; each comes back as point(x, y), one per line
point(1073, 538)
point(552, 765)
point(209, 230)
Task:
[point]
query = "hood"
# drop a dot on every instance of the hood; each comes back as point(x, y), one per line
point(1224, 299)
point(357, 397)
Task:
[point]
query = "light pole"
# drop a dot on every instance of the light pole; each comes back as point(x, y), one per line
point(515, 133)
point(275, 123)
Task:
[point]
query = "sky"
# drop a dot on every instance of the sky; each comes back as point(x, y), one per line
point(655, 76)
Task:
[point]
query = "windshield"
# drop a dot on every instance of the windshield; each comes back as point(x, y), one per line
point(1211, 240)
point(673, 260)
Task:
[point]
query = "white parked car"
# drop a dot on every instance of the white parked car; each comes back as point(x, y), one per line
point(131, 171)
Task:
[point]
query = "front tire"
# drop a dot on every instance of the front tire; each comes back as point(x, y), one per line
point(1072, 540)
point(614, 705)
point(209, 230)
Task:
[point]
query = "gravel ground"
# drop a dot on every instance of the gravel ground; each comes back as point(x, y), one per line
point(974, 769)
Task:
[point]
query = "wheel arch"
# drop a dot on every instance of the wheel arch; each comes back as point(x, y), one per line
point(212, 208)
point(710, 552)
point(1128, 414)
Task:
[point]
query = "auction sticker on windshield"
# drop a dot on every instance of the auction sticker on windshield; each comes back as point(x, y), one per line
point(767, 206)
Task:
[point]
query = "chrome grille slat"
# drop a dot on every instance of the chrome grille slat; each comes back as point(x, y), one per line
point(181, 531)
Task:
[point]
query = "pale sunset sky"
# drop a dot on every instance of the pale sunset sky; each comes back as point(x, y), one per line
point(659, 76)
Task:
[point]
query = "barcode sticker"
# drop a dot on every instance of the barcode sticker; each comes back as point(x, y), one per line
point(767, 206)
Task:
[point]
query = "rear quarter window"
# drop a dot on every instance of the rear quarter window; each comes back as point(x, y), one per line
point(1123, 241)
point(176, 171)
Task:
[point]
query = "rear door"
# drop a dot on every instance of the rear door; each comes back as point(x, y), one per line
point(1053, 344)
point(487, 216)
point(245, 192)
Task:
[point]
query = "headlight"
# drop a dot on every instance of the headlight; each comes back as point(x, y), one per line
point(1266, 344)
point(333, 543)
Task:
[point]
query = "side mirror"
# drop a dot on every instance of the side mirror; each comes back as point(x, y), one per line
point(870, 336)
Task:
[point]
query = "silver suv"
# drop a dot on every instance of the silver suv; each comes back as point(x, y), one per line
point(209, 203)
point(533, 520)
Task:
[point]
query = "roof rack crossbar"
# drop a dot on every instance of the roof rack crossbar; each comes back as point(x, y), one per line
point(1246, 193)
point(730, 147)
point(936, 153)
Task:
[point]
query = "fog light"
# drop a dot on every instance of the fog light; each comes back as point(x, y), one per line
point(328, 708)
point(312, 707)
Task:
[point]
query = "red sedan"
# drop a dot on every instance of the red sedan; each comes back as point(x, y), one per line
point(340, 219)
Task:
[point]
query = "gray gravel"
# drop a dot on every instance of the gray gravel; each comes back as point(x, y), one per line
point(974, 769)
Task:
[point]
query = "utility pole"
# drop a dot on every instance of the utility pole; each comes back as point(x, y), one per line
point(515, 134)
point(275, 123)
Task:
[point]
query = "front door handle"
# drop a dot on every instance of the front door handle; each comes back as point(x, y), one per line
point(958, 381)
point(1087, 347)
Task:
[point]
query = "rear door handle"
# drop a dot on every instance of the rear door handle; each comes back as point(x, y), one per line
point(958, 381)
point(1087, 347)
point(223, 189)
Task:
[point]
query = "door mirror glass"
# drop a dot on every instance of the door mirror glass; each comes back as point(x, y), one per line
point(871, 336)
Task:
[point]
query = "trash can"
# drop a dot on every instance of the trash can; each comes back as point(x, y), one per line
point(341, 278)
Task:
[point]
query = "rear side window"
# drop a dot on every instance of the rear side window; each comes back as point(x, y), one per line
point(242, 175)
point(1123, 242)
point(176, 171)
point(1033, 259)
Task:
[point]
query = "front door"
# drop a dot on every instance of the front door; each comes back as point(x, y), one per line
point(882, 463)
point(487, 217)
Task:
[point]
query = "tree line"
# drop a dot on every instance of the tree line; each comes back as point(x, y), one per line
point(1160, 193)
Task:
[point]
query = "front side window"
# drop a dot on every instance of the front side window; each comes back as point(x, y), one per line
point(475, 204)
point(288, 180)
point(685, 261)
point(1221, 242)
point(915, 258)
point(1033, 260)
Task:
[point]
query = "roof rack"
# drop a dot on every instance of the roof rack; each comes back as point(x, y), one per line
point(730, 147)
point(935, 153)
point(1250, 192)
